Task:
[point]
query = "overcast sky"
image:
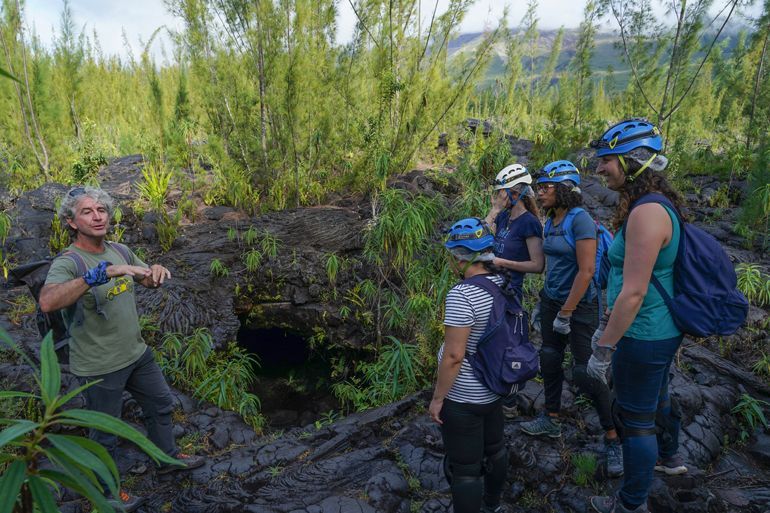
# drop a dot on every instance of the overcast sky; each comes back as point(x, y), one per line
point(140, 18)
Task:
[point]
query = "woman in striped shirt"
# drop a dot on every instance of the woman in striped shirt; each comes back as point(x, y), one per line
point(470, 415)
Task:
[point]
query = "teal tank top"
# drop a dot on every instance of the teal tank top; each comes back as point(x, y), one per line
point(654, 321)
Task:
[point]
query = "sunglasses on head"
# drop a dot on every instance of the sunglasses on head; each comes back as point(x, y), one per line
point(77, 191)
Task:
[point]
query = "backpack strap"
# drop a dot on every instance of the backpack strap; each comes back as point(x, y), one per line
point(122, 249)
point(566, 225)
point(486, 284)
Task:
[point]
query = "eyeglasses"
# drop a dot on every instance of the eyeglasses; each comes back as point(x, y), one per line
point(77, 191)
point(545, 186)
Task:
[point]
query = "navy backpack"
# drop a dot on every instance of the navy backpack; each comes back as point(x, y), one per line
point(505, 358)
point(706, 298)
point(603, 243)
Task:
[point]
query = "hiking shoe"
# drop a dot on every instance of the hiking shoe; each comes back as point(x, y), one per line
point(510, 412)
point(612, 504)
point(613, 451)
point(544, 424)
point(126, 502)
point(191, 461)
point(672, 466)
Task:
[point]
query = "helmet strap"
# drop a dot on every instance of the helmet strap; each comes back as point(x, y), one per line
point(649, 161)
point(461, 269)
point(623, 164)
point(510, 198)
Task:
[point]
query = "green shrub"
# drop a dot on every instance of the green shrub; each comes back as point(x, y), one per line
point(584, 468)
point(750, 413)
point(76, 462)
point(754, 284)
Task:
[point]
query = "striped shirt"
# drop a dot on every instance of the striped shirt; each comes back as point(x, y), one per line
point(467, 305)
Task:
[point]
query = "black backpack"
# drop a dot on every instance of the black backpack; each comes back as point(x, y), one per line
point(33, 275)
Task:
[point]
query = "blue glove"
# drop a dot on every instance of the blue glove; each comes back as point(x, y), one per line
point(536, 318)
point(97, 275)
point(561, 325)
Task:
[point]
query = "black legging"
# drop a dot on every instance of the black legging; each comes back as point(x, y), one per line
point(475, 449)
point(584, 322)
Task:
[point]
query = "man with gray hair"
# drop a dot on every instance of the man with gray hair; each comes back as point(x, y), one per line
point(105, 338)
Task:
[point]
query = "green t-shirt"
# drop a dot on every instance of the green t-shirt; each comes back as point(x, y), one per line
point(654, 321)
point(107, 341)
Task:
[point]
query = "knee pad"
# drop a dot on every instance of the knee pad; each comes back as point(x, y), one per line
point(496, 463)
point(627, 422)
point(550, 360)
point(454, 471)
point(581, 378)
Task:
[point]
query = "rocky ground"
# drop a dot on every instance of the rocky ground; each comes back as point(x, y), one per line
point(389, 459)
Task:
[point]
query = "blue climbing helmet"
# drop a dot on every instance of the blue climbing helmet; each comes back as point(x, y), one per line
point(559, 171)
point(470, 233)
point(628, 135)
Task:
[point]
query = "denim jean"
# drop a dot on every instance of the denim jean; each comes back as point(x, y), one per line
point(144, 380)
point(584, 321)
point(640, 370)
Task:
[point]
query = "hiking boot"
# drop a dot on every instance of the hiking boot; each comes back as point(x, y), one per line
point(672, 466)
point(612, 504)
point(190, 461)
point(126, 502)
point(613, 451)
point(510, 412)
point(544, 424)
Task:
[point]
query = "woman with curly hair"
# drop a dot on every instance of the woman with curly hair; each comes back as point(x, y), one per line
point(637, 335)
point(569, 307)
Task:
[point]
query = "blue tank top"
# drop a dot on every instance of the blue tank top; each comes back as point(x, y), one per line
point(654, 321)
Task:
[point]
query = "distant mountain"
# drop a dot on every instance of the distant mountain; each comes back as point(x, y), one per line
point(607, 57)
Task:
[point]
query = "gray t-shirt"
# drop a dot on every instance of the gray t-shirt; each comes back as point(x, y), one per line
point(561, 259)
point(109, 341)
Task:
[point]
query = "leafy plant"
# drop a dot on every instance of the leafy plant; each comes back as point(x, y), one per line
point(754, 284)
point(585, 466)
point(332, 268)
point(250, 236)
point(269, 244)
point(60, 236)
point(73, 461)
point(221, 377)
point(389, 378)
point(762, 365)
point(252, 259)
point(155, 187)
point(750, 414)
point(218, 269)
point(21, 306)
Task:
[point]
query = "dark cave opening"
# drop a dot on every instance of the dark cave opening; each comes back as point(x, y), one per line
point(293, 381)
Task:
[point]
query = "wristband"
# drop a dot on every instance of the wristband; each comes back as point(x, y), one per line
point(97, 275)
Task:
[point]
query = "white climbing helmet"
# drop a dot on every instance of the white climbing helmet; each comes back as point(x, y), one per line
point(512, 175)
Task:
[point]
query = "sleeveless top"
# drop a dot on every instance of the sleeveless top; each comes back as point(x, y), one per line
point(654, 321)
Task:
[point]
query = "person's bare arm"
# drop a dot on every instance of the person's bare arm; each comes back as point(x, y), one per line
point(455, 340)
point(536, 261)
point(585, 251)
point(648, 230)
point(55, 296)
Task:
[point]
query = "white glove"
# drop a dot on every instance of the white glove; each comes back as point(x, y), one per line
point(561, 324)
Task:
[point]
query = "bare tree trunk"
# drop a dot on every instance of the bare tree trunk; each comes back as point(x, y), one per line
point(262, 99)
point(757, 79)
point(26, 109)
